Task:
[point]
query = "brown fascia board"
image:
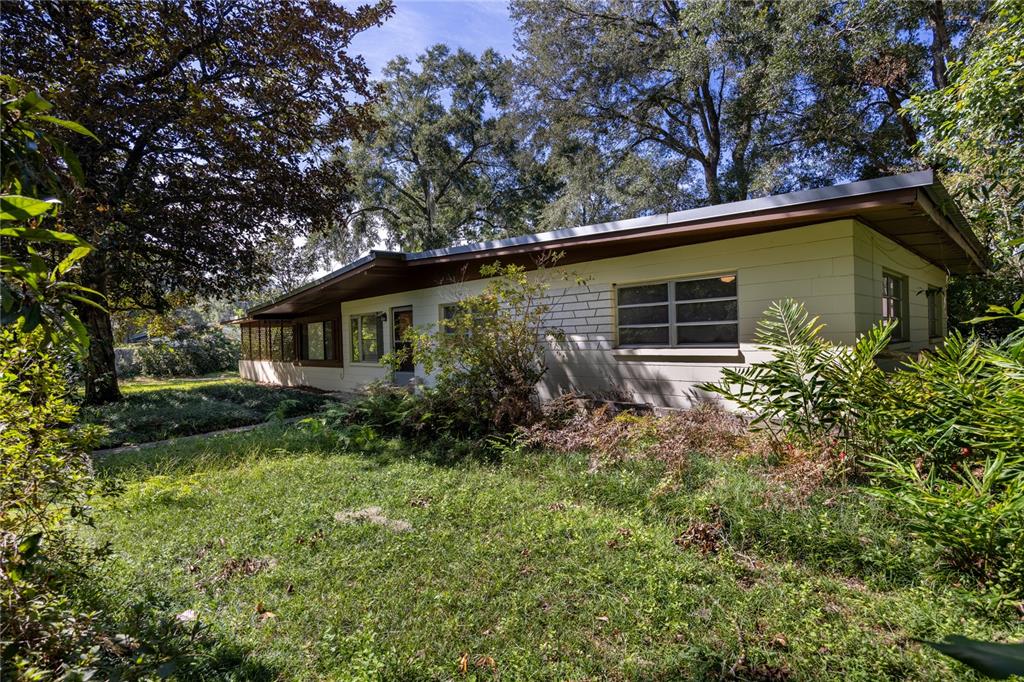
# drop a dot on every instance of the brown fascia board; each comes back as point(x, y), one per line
point(703, 230)
point(914, 192)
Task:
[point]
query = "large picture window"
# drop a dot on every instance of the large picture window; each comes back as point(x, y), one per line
point(894, 304)
point(367, 337)
point(679, 313)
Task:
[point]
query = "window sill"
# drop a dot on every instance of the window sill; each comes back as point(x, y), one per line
point(700, 354)
point(317, 363)
point(364, 363)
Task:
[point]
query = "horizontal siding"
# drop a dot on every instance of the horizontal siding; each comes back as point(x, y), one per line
point(831, 267)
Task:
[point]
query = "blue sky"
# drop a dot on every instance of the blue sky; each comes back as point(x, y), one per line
point(417, 24)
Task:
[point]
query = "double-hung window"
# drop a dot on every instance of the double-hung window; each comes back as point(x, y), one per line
point(367, 337)
point(894, 304)
point(700, 311)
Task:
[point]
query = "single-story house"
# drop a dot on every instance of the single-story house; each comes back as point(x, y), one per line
point(668, 300)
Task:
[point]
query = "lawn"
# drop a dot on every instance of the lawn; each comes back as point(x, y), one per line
point(158, 409)
point(524, 568)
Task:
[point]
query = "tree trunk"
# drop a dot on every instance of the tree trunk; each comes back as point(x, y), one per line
point(98, 367)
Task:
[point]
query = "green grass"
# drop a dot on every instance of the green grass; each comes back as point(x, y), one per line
point(552, 572)
point(158, 409)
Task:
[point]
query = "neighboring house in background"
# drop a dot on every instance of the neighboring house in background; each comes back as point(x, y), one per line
point(670, 299)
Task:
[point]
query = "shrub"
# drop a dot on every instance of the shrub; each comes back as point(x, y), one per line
point(490, 356)
point(811, 390)
point(45, 480)
point(189, 351)
point(942, 436)
point(975, 519)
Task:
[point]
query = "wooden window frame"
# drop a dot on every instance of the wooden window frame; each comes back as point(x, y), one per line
point(357, 349)
point(300, 341)
point(936, 312)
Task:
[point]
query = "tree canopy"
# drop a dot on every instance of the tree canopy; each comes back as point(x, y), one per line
point(446, 164)
point(219, 125)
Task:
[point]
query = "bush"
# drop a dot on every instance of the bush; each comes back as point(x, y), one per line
point(45, 480)
point(490, 356)
point(942, 436)
point(188, 352)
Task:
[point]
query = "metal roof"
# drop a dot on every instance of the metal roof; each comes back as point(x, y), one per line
point(792, 203)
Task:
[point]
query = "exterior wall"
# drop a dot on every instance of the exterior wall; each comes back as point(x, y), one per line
point(826, 266)
point(874, 254)
point(292, 374)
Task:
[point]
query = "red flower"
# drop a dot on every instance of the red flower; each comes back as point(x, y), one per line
point(965, 452)
point(842, 456)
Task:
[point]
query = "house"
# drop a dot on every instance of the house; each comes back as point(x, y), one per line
point(668, 301)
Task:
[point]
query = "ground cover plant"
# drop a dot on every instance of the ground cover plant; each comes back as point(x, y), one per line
point(155, 410)
point(298, 558)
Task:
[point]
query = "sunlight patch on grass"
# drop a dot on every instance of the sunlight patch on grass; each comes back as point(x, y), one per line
point(532, 566)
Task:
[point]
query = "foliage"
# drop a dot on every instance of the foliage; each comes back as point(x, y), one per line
point(728, 101)
point(488, 358)
point(189, 351)
point(974, 518)
point(972, 131)
point(992, 659)
point(219, 127)
point(158, 410)
point(942, 434)
point(532, 553)
point(446, 165)
point(36, 166)
point(45, 481)
point(811, 390)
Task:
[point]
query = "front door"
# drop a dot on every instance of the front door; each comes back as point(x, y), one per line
point(401, 320)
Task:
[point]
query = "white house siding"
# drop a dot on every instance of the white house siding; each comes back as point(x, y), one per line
point(834, 268)
point(874, 254)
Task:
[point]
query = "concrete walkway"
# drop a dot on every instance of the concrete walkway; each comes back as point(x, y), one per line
point(198, 436)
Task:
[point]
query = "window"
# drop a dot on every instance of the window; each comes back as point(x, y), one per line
point(268, 341)
point(894, 304)
point(936, 313)
point(367, 336)
point(689, 312)
point(448, 313)
point(318, 341)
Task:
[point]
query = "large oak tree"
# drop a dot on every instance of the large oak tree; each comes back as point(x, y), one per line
point(446, 165)
point(220, 124)
point(732, 99)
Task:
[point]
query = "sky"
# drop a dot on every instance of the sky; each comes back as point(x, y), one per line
point(417, 24)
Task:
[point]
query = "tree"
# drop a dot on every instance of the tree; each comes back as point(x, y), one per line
point(219, 124)
point(732, 100)
point(973, 129)
point(446, 165)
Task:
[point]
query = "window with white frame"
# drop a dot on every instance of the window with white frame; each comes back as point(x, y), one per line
point(698, 311)
point(894, 304)
point(448, 313)
point(367, 337)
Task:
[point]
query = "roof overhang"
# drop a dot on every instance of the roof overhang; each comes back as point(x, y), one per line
point(913, 210)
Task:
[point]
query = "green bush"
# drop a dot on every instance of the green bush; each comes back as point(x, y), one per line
point(942, 436)
point(188, 352)
point(45, 480)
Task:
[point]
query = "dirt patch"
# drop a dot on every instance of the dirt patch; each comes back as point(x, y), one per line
point(373, 515)
point(612, 437)
point(233, 568)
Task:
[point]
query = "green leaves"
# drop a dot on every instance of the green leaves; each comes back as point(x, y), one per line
point(17, 208)
point(996, 660)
